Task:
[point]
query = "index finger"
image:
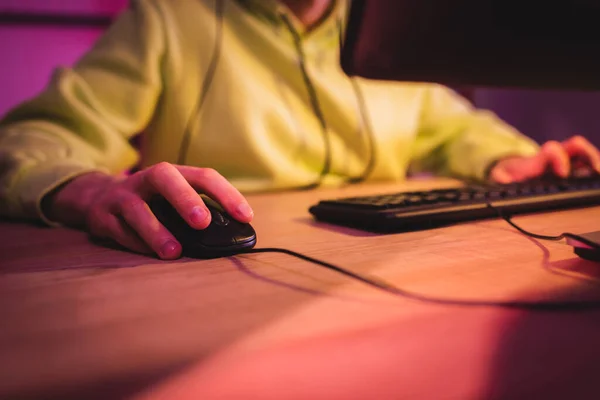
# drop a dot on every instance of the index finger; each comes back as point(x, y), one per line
point(219, 189)
point(554, 154)
point(167, 181)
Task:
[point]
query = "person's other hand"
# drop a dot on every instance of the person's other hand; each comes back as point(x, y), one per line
point(559, 158)
point(117, 208)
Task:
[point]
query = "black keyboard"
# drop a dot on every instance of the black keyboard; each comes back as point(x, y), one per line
point(409, 211)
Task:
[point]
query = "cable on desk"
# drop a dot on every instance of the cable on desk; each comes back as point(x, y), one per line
point(544, 237)
point(548, 306)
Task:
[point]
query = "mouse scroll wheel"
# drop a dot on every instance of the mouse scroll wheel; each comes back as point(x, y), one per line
point(219, 218)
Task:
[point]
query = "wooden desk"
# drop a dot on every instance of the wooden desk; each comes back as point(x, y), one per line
point(83, 321)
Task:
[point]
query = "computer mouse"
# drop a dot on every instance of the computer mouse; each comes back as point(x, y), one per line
point(224, 236)
point(586, 250)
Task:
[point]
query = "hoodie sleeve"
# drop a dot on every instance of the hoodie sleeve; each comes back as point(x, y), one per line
point(455, 139)
point(83, 120)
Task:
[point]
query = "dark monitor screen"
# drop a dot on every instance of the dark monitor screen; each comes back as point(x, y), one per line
point(494, 43)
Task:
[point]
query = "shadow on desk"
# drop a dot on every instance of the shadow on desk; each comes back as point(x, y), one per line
point(575, 268)
point(453, 354)
point(457, 352)
point(84, 321)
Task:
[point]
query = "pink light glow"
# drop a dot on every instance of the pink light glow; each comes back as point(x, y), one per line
point(110, 7)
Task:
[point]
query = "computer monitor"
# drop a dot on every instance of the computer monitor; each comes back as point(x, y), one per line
point(492, 43)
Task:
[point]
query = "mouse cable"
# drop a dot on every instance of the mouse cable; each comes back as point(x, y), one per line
point(548, 306)
point(563, 235)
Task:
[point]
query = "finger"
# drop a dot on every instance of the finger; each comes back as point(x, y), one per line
point(137, 214)
point(103, 225)
point(126, 236)
point(554, 154)
point(500, 175)
point(578, 146)
point(166, 180)
point(219, 189)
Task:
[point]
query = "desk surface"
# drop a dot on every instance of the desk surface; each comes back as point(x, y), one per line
point(83, 321)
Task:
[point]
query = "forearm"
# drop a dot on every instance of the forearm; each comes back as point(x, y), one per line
point(485, 141)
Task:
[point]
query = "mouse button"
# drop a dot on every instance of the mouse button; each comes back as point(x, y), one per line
point(218, 218)
point(211, 204)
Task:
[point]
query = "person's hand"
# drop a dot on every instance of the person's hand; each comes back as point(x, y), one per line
point(559, 158)
point(117, 208)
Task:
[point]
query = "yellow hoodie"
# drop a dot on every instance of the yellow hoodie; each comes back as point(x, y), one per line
point(240, 87)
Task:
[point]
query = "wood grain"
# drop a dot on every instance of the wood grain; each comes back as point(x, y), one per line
point(84, 321)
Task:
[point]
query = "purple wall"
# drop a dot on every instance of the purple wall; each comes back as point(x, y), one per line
point(92, 7)
point(546, 115)
point(30, 55)
point(30, 51)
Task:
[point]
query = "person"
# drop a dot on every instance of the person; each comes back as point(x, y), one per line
point(232, 97)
